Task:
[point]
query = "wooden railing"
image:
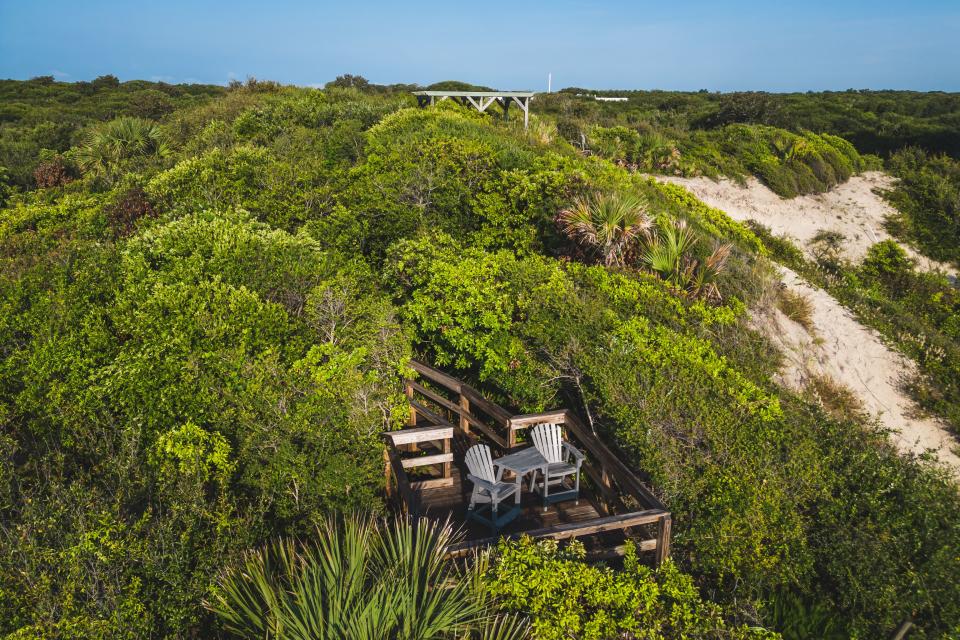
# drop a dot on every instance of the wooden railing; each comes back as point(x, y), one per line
point(467, 412)
point(470, 409)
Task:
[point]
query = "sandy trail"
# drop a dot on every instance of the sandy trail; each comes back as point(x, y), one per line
point(838, 345)
point(856, 357)
point(851, 208)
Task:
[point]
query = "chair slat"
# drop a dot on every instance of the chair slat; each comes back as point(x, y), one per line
point(480, 462)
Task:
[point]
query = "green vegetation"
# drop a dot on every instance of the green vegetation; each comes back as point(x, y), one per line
point(916, 311)
point(42, 114)
point(364, 579)
point(875, 122)
point(927, 197)
point(200, 348)
point(790, 164)
point(569, 600)
point(606, 224)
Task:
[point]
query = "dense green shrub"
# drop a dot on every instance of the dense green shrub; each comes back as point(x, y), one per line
point(567, 598)
point(169, 413)
point(789, 163)
point(182, 384)
point(927, 198)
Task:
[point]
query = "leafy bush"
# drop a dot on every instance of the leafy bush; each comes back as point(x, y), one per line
point(132, 206)
point(179, 416)
point(789, 163)
point(927, 197)
point(567, 598)
point(55, 172)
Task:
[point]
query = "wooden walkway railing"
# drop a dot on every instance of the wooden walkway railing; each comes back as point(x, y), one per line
point(468, 413)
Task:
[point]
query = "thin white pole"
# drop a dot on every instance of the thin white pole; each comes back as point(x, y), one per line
point(549, 83)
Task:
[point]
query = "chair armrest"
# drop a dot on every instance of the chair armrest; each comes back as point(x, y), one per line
point(483, 484)
point(572, 450)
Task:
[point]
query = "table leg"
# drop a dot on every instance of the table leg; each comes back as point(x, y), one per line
point(519, 488)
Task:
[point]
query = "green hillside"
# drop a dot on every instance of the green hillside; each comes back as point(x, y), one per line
point(207, 311)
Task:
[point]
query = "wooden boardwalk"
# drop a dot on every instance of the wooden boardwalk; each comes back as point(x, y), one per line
point(425, 472)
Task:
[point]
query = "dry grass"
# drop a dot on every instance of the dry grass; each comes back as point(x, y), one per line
point(797, 307)
point(837, 399)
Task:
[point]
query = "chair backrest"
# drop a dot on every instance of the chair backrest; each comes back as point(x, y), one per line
point(480, 463)
point(548, 439)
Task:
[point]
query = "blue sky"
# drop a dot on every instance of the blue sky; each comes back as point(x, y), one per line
point(738, 44)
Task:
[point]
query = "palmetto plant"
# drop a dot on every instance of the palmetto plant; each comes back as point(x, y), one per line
point(104, 147)
point(668, 253)
point(609, 224)
point(364, 578)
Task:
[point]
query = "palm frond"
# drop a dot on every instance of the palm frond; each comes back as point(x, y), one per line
point(609, 224)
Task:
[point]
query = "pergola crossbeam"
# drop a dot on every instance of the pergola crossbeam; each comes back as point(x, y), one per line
point(481, 100)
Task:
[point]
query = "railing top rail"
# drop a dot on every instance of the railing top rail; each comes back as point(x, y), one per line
point(439, 377)
point(420, 434)
point(495, 411)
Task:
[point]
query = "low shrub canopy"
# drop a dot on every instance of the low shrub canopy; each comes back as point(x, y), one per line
point(193, 372)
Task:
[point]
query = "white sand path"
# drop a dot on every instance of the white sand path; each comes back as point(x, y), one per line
point(838, 346)
point(856, 357)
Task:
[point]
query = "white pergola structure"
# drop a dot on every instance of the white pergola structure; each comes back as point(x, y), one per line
point(481, 100)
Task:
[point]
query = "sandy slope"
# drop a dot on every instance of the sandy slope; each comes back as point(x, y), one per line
point(851, 208)
point(856, 357)
point(838, 346)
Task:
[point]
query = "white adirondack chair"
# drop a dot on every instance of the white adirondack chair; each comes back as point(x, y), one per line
point(488, 488)
point(563, 460)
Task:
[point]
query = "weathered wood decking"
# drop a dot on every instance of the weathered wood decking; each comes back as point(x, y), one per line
point(447, 416)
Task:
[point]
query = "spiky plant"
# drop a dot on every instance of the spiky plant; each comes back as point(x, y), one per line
point(668, 253)
point(359, 577)
point(608, 224)
point(667, 248)
point(105, 147)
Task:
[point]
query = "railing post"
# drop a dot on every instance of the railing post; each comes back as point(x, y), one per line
point(408, 391)
point(465, 406)
point(511, 435)
point(447, 448)
point(663, 539)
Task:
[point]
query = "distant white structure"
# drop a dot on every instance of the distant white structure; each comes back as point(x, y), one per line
point(610, 99)
point(549, 83)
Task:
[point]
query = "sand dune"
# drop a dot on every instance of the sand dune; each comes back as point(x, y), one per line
point(838, 345)
point(856, 357)
point(851, 208)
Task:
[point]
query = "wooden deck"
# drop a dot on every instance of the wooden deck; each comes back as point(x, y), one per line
point(425, 466)
point(452, 501)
